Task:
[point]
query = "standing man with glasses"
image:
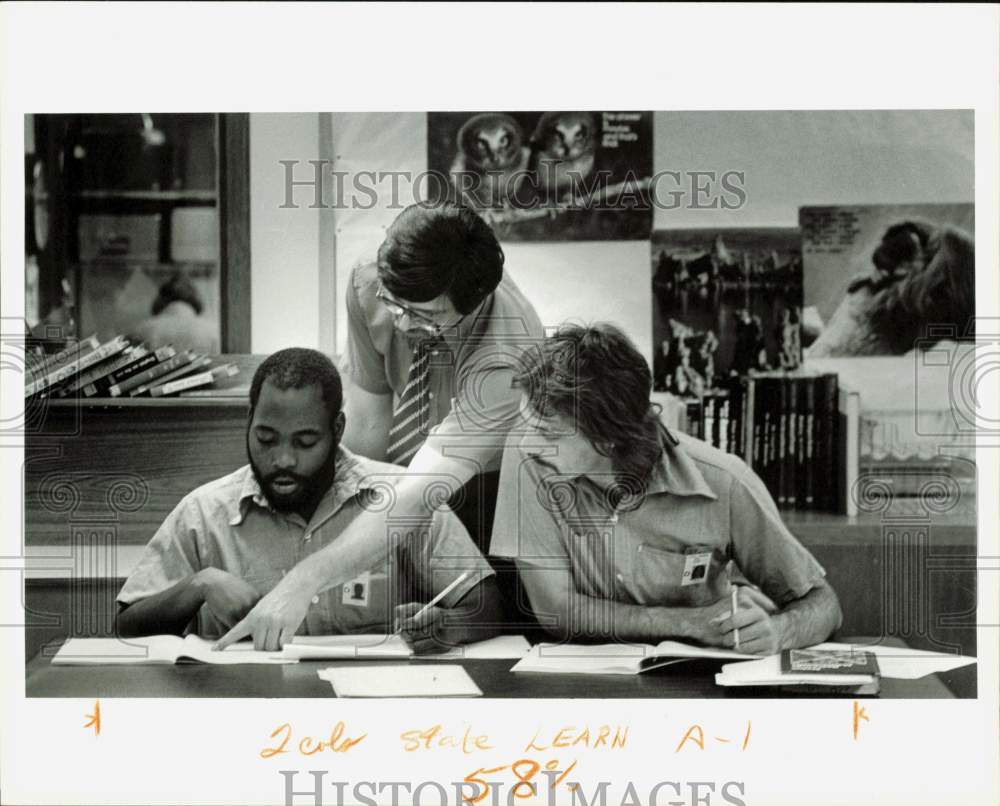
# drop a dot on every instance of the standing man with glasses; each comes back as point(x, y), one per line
point(436, 332)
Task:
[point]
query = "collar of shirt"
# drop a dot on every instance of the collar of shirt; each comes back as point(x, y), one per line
point(675, 473)
point(348, 482)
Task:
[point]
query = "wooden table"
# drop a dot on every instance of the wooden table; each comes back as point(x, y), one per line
point(686, 680)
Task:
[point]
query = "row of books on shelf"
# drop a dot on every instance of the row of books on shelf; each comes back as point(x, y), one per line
point(121, 369)
point(797, 431)
point(807, 436)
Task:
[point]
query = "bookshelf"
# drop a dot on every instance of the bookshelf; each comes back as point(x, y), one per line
point(117, 204)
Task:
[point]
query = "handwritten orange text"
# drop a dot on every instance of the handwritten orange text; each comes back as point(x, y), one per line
point(435, 736)
point(337, 742)
point(859, 714)
point(571, 736)
point(524, 770)
point(696, 736)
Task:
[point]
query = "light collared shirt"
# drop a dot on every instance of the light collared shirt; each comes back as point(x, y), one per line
point(230, 525)
point(473, 402)
point(702, 507)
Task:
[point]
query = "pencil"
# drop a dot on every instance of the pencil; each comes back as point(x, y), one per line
point(736, 606)
point(454, 584)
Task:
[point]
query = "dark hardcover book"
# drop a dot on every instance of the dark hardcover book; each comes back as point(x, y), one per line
point(826, 465)
point(717, 400)
point(791, 441)
point(781, 452)
point(802, 384)
point(829, 661)
point(773, 414)
point(760, 404)
point(99, 370)
point(101, 386)
point(723, 441)
point(150, 374)
point(810, 443)
point(197, 364)
point(733, 442)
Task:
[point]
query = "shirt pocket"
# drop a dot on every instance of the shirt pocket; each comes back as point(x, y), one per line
point(658, 574)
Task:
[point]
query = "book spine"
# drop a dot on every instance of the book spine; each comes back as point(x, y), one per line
point(53, 363)
point(771, 436)
point(804, 461)
point(827, 439)
point(708, 402)
point(103, 384)
point(725, 431)
point(151, 374)
point(749, 392)
point(116, 345)
point(104, 367)
point(791, 458)
point(190, 382)
point(781, 454)
point(197, 363)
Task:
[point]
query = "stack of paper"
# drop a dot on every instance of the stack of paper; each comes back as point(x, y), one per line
point(438, 680)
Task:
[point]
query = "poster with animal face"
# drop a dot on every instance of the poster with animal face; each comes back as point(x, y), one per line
point(886, 279)
point(537, 176)
point(725, 302)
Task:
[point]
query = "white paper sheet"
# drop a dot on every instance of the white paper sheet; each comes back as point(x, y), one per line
point(438, 680)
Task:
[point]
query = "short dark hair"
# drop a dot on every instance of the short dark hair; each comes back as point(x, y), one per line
point(177, 289)
point(596, 375)
point(430, 250)
point(296, 368)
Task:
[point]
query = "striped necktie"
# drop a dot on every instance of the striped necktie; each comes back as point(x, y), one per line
point(410, 419)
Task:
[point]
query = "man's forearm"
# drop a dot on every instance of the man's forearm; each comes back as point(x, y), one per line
point(590, 618)
point(366, 541)
point(165, 613)
point(809, 620)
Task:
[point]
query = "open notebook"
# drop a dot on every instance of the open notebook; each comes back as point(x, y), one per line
point(158, 649)
point(374, 647)
point(615, 658)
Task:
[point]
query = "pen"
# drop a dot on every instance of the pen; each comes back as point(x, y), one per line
point(455, 583)
point(736, 606)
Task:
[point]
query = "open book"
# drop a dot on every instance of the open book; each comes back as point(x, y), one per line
point(375, 647)
point(615, 658)
point(158, 649)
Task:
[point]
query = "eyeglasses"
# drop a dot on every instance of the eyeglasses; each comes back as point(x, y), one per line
point(421, 320)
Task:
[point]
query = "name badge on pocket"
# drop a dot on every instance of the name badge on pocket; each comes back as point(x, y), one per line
point(696, 563)
point(355, 592)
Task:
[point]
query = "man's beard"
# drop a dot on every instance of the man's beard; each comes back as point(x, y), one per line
point(310, 488)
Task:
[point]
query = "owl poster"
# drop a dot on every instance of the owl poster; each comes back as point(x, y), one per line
point(538, 176)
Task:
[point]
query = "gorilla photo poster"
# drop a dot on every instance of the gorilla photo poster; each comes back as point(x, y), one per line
point(879, 277)
point(538, 176)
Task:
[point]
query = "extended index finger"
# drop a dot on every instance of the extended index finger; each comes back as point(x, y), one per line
point(237, 633)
